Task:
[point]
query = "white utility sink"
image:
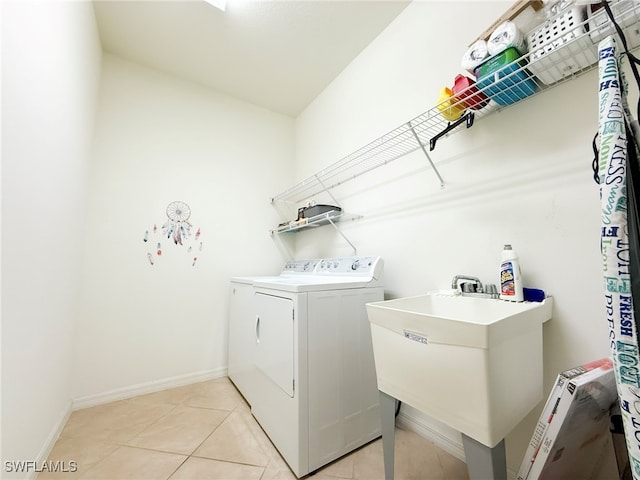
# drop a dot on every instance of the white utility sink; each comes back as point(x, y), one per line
point(474, 364)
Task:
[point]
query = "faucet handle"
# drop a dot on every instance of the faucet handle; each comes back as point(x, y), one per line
point(492, 290)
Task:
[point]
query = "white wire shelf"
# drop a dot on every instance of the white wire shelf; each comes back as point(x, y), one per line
point(561, 49)
point(315, 221)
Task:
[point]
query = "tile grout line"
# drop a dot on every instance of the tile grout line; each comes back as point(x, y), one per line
point(174, 402)
point(121, 443)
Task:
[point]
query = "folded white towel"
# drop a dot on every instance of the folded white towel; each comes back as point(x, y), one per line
point(476, 54)
point(506, 35)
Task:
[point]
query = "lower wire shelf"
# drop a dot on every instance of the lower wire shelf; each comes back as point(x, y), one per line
point(330, 217)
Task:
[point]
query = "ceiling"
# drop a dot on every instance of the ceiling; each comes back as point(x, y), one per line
point(278, 54)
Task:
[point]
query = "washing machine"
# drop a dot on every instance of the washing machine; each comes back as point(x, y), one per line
point(241, 368)
point(300, 352)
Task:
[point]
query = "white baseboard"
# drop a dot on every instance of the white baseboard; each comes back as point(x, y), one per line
point(51, 440)
point(447, 439)
point(147, 387)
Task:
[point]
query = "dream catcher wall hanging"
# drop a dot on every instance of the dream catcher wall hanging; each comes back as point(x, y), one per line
point(176, 230)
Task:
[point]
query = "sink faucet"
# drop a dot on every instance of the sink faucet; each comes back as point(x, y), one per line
point(457, 278)
point(488, 291)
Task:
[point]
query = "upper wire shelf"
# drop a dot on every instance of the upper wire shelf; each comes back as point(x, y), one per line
point(561, 49)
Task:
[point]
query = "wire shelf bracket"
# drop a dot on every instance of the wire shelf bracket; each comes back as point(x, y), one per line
point(426, 154)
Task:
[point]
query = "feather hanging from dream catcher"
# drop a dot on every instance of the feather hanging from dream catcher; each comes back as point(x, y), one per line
point(177, 229)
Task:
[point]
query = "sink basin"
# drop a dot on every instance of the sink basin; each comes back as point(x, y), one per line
point(474, 364)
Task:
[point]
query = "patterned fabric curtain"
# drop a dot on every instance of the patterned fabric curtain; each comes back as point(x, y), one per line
point(617, 170)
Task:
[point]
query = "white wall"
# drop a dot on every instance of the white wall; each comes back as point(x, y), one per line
point(51, 65)
point(522, 176)
point(160, 139)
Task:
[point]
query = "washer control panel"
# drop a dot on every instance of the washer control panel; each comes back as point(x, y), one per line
point(347, 265)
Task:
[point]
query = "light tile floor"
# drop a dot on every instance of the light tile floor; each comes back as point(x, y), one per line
point(205, 431)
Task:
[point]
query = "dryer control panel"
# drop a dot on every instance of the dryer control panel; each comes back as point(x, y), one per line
point(355, 266)
point(300, 266)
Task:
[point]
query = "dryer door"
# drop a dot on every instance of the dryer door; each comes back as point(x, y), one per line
point(274, 340)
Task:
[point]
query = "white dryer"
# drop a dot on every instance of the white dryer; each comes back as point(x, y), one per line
point(300, 352)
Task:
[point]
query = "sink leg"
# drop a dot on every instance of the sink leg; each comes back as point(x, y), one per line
point(388, 413)
point(483, 462)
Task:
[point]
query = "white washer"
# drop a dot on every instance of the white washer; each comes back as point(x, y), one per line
point(300, 352)
point(242, 324)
